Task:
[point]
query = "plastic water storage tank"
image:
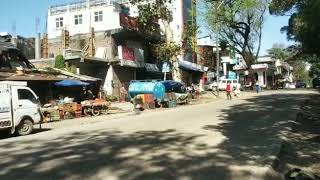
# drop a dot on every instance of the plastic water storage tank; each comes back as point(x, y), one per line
point(139, 87)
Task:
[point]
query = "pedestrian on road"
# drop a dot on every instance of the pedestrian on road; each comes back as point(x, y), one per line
point(123, 94)
point(228, 90)
point(237, 91)
point(258, 88)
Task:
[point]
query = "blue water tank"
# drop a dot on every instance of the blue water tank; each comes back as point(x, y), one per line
point(154, 87)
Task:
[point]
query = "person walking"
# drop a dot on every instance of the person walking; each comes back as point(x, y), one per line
point(237, 91)
point(123, 94)
point(228, 90)
point(257, 87)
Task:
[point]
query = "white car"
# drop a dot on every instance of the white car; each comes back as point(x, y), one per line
point(223, 84)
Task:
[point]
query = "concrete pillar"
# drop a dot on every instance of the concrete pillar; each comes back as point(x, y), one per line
point(225, 69)
point(108, 86)
point(37, 47)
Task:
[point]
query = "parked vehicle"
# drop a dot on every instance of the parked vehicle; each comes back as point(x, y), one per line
point(19, 108)
point(301, 84)
point(290, 85)
point(159, 90)
point(178, 89)
point(316, 82)
point(223, 84)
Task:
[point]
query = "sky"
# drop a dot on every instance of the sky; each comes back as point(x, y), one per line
point(23, 13)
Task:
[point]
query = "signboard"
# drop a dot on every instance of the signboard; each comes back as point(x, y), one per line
point(128, 53)
point(165, 67)
point(134, 64)
point(232, 75)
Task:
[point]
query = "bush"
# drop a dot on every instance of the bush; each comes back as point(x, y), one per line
point(59, 62)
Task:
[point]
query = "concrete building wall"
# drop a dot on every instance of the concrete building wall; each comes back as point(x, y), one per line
point(79, 41)
point(110, 20)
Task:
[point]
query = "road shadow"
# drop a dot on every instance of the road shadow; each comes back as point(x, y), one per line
point(5, 134)
point(250, 129)
point(301, 148)
point(99, 155)
point(254, 129)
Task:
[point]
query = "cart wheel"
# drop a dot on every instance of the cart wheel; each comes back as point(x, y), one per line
point(86, 111)
point(95, 111)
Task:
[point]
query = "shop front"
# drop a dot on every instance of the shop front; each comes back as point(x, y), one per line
point(264, 74)
point(193, 73)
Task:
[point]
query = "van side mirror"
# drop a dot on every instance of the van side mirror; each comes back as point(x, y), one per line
point(37, 101)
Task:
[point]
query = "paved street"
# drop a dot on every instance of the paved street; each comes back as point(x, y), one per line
point(223, 139)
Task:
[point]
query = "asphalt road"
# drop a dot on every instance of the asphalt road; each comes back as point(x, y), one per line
point(235, 139)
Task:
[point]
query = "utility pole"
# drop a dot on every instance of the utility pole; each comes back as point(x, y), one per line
point(217, 44)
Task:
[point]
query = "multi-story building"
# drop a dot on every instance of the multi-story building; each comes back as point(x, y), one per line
point(101, 38)
point(118, 45)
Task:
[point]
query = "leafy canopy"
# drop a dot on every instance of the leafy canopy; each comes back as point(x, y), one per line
point(303, 25)
point(239, 23)
point(151, 12)
point(59, 62)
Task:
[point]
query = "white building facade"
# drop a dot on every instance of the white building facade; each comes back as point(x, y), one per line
point(79, 17)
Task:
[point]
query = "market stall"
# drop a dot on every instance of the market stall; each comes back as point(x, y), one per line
point(80, 102)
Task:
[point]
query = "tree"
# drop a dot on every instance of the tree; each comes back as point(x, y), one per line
point(191, 30)
point(303, 25)
point(59, 62)
point(158, 10)
point(315, 70)
point(240, 23)
point(279, 52)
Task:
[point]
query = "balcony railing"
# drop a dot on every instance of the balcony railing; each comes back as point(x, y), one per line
point(81, 4)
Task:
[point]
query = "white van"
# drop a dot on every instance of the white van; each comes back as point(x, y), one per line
point(19, 107)
point(223, 84)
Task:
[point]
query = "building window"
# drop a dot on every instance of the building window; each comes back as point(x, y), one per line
point(78, 19)
point(59, 22)
point(98, 16)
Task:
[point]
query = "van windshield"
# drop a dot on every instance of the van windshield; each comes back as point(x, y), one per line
point(24, 94)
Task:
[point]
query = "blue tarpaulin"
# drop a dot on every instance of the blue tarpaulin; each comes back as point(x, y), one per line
point(71, 82)
point(172, 86)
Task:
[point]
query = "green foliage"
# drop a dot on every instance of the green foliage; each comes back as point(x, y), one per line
point(191, 30)
point(59, 62)
point(278, 51)
point(315, 70)
point(303, 25)
point(166, 51)
point(150, 12)
point(112, 98)
point(72, 69)
point(299, 70)
point(239, 22)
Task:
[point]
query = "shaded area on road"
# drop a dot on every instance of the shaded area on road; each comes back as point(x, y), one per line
point(302, 146)
point(142, 155)
point(6, 134)
point(249, 128)
point(254, 129)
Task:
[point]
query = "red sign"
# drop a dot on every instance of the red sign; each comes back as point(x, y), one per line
point(128, 53)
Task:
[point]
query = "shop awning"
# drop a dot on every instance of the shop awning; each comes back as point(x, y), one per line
point(71, 82)
point(152, 67)
point(192, 66)
point(262, 67)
